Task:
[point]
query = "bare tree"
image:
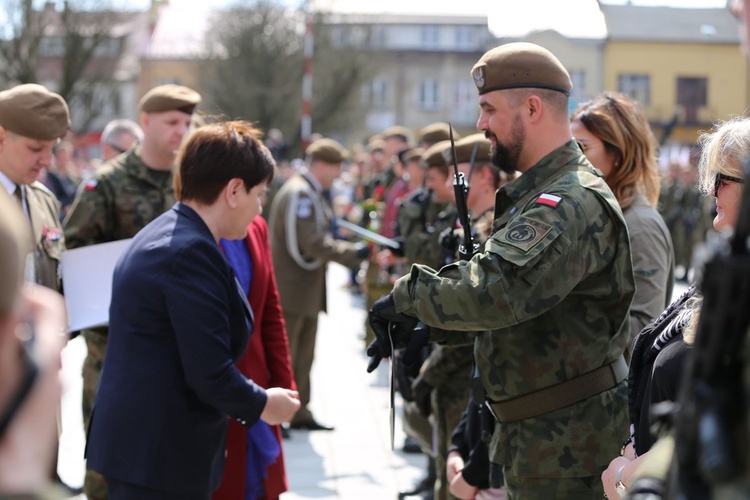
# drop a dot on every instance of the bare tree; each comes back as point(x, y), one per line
point(258, 52)
point(72, 49)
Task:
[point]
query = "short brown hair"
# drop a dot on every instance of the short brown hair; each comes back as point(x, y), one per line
point(217, 153)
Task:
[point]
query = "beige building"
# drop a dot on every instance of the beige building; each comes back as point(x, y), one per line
point(685, 66)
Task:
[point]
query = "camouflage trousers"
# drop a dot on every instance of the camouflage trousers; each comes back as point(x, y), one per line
point(448, 404)
point(375, 288)
point(94, 485)
point(534, 488)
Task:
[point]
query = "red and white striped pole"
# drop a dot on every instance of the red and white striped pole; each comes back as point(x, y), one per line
point(307, 77)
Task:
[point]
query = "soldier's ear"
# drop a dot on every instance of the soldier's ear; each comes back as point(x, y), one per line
point(3, 136)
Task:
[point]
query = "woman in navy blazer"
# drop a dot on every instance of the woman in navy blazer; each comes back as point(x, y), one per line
point(178, 324)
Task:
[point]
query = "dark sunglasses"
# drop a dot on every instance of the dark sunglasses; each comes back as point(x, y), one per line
point(31, 371)
point(721, 178)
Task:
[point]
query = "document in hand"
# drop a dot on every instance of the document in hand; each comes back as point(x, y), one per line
point(87, 282)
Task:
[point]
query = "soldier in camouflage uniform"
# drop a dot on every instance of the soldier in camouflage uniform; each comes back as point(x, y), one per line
point(122, 197)
point(549, 294)
point(445, 375)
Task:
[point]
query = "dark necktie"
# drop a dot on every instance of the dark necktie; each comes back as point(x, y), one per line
point(18, 194)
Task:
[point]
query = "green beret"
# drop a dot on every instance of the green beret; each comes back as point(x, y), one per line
point(169, 97)
point(326, 150)
point(14, 246)
point(397, 131)
point(520, 65)
point(436, 132)
point(33, 111)
point(466, 147)
point(433, 156)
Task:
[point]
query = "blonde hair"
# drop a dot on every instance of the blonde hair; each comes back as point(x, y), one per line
point(621, 125)
point(722, 151)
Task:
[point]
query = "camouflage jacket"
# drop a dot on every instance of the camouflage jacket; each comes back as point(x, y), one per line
point(416, 225)
point(552, 288)
point(120, 198)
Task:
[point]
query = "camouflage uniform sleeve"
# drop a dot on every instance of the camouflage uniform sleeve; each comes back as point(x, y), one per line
point(315, 243)
point(527, 268)
point(89, 221)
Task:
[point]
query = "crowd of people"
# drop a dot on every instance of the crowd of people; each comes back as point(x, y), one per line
point(524, 298)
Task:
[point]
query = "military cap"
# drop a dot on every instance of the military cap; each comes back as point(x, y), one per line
point(411, 154)
point(14, 246)
point(376, 145)
point(433, 156)
point(326, 150)
point(436, 132)
point(466, 147)
point(33, 111)
point(397, 131)
point(520, 65)
point(169, 97)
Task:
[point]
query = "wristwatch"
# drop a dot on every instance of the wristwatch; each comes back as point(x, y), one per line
point(619, 486)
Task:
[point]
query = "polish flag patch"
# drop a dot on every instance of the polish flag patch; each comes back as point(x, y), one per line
point(90, 185)
point(548, 199)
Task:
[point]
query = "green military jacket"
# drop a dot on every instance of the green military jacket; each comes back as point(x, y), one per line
point(550, 294)
point(122, 197)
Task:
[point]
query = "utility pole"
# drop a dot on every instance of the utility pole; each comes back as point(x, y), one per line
point(307, 77)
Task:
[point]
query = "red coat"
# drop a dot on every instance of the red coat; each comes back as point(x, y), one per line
point(266, 361)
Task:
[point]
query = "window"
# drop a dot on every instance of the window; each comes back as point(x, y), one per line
point(465, 37)
point(691, 95)
point(464, 108)
point(429, 94)
point(375, 93)
point(578, 94)
point(51, 46)
point(430, 37)
point(636, 87)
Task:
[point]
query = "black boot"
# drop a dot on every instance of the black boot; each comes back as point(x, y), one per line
point(426, 485)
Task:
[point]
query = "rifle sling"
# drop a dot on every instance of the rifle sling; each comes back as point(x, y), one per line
point(560, 395)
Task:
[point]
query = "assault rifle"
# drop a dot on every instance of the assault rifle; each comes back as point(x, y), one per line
point(461, 190)
point(711, 434)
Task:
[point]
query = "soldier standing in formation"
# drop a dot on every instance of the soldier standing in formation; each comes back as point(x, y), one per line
point(302, 243)
point(550, 294)
point(122, 197)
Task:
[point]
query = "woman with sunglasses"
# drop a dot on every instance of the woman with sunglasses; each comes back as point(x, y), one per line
point(616, 138)
point(659, 350)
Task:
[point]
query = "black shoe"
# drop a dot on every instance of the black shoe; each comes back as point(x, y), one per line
point(285, 432)
point(426, 485)
point(411, 446)
point(312, 425)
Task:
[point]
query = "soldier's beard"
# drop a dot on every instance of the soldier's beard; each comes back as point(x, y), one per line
point(506, 156)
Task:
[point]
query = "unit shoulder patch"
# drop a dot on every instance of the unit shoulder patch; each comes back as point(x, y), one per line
point(524, 233)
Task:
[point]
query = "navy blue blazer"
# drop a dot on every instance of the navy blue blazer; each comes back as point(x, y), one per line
point(177, 325)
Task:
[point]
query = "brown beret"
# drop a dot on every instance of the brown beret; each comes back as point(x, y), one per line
point(433, 156)
point(376, 145)
point(412, 154)
point(14, 246)
point(520, 65)
point(326, 150)
point(169, 97)
point(466, 147)
point(33, 111)
point(436, 132)
point(397, 131)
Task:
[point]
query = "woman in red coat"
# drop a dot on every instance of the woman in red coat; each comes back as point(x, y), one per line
point(266, 361)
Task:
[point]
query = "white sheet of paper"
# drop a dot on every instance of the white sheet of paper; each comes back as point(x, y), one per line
point(87, 281)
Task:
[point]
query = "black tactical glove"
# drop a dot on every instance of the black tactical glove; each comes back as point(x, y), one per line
point(422, 392)
point(388, 326)
point(398, 252)
point(361, 250)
